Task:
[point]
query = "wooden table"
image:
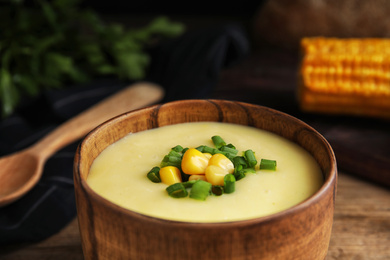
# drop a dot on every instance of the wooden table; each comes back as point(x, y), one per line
point(361, 229)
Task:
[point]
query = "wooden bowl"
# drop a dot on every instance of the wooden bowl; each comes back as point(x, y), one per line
point(109, 231)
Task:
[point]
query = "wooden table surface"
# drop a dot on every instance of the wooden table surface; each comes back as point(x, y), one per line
point(361, 229)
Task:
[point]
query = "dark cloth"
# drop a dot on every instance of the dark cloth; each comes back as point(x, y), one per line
point(187, 67)
point(50, 205)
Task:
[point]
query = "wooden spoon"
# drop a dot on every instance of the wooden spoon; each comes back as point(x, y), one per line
point(19, 172)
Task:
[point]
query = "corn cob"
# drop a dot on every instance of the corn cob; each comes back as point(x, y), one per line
point(345, 76)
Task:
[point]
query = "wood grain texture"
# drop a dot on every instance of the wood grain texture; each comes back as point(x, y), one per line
point(109, 231)
point(361, 228)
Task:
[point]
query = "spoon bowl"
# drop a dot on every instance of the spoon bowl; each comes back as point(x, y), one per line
point(19, 172)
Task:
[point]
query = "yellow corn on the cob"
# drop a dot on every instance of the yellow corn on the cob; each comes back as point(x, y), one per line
point(345, 76)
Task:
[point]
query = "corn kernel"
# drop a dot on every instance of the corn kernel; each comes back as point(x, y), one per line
point(208, 155)
point(170, 175)
point(194, 177)
point(194, 162)
point(222, 161)
point(215, 174)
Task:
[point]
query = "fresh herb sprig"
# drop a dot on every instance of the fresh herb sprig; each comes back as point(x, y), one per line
point(48, 44)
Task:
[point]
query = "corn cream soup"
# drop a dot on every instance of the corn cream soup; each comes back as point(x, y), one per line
point(119, 174)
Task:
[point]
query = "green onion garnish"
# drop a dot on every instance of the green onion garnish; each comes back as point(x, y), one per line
point(177, 190)
point(229, 183)
point(231, 151)
point(175, 153)
point(210, 150)
point(266, 164)
point(250, 158)
point(189, 184)
point(173, 158)
point(217, 190)
point(239, 175)
point(240, 167)
point(154, 174)
point(200, 190)
point(231, 146)
point(200, 148)
point(218, 141)
point(178, 148)
point(240, 162)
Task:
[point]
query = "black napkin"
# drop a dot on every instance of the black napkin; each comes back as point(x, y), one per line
point(187, 67)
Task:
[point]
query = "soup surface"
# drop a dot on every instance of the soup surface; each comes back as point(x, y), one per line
point(119, 174)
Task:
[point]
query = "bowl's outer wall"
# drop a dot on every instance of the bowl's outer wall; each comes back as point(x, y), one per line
point(111, 232)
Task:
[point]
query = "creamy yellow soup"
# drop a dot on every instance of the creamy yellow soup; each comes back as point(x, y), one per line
point(119, 174)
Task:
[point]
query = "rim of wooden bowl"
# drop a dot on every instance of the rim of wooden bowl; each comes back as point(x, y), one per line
point(329, 181)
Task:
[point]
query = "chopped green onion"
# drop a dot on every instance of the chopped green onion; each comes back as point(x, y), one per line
point(217, 190)
point(231, 146)
point(266, 164)
point(173, 158)
point(177, 190)
point(154, 174)
point(242, 173)
point(229, 183)
point(178, 148)
point(210, 150)
point(239, 175)
point(239, 162)
point(171, 161)
point(231, 151)
point(175, 153)
point(200, 190)
point(200, 148)
point(239, 168)
point(250, 158)
point(248, 170)
point(218, 141)
point(189, 184)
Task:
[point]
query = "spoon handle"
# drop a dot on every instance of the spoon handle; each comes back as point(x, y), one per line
point(133, 97)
